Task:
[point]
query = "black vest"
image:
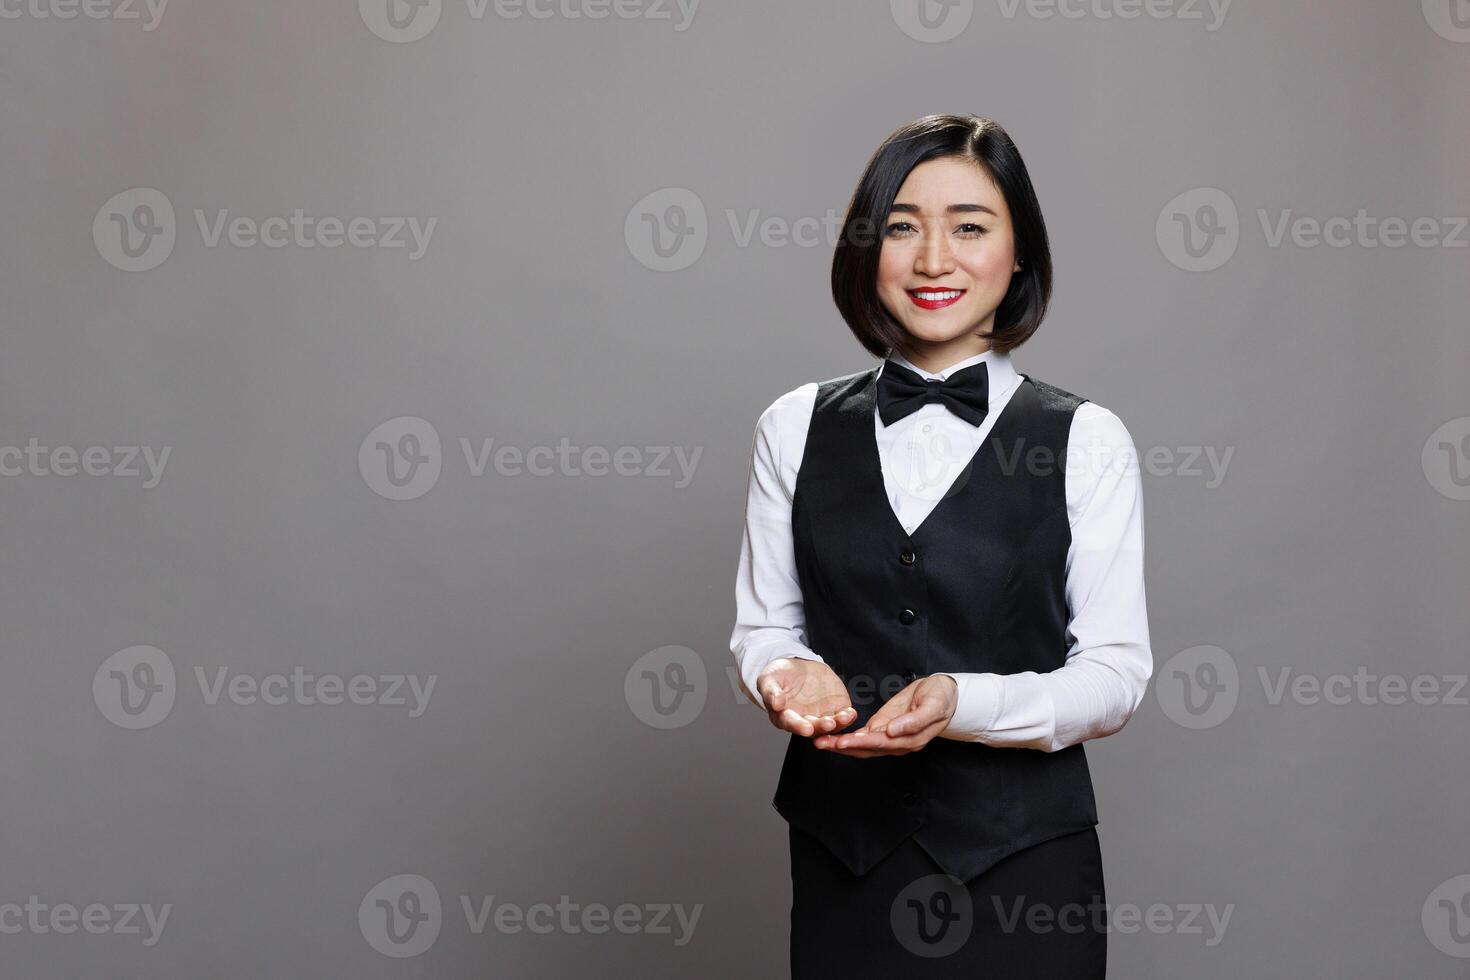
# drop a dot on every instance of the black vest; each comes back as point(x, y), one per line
point(979, 586)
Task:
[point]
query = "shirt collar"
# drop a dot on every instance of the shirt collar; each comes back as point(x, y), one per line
point(1001, 371)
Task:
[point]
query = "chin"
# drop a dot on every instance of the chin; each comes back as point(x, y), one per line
point(937, 333)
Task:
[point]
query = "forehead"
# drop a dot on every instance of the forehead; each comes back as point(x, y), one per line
point(934, 184)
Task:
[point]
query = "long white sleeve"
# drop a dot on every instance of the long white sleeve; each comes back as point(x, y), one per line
point(1104, 678)
point(769, 619)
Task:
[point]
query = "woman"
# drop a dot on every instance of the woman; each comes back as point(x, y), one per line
point(936, 599)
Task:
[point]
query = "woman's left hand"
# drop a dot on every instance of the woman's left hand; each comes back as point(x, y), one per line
point(906, 723)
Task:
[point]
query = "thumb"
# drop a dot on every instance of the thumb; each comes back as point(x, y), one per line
point(772, 687)
point(924, 707)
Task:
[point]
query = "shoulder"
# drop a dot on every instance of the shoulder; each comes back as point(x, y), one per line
point(791, 412)
point(838, 389)
point(789, 409)
point(1054, 399)
point(1101, 465)
point(780, 432)
point(1088, 419)
point(1094, 424)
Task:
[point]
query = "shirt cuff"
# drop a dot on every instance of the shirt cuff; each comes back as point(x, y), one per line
point(977, 707)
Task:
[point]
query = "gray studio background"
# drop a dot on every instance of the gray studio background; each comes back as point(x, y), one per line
point(141, 614)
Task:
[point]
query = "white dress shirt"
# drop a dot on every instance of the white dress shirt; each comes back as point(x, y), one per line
point(1109, 661)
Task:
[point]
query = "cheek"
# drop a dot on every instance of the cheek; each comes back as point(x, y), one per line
point(990, 264)
point(889, 270)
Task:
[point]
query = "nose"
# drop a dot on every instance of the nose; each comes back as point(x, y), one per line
point(934, 257)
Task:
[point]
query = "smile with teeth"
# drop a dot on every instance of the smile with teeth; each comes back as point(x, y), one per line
point(934, 299)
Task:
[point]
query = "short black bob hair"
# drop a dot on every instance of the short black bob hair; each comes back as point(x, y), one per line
point(855, 262)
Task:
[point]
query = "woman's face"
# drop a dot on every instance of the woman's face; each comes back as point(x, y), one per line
point(947, 254)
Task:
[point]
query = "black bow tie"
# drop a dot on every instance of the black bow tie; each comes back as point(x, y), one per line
point(966, 393)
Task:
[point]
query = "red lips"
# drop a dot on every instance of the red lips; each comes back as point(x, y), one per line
point(950, 297)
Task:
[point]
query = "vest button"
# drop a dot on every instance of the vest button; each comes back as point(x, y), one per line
point(907, 616)
point(910, 798)
point(907, 557)
point(909, 677)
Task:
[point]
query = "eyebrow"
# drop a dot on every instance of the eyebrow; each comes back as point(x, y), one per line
point(952, 209)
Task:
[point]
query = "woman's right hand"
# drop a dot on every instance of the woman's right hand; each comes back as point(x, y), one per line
point(805, 697)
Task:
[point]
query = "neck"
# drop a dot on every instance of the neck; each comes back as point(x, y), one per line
point(936, 357)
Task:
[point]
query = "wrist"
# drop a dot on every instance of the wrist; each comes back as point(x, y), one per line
point(954, 694)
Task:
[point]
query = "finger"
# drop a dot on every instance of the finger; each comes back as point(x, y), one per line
point(825, 741)
point(894, 707)
point(841, 718)
point(864, 740)
point(915, 720)
point(773, 694)
point(793, 722)
point(922, 711)
point(869, 753)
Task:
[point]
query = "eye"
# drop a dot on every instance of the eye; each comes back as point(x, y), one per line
point(892, 230)
point(971, 230)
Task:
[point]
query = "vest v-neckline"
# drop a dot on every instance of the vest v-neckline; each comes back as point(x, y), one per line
point(868, 402)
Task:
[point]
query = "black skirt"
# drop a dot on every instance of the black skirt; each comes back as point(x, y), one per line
point(1040, 912)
